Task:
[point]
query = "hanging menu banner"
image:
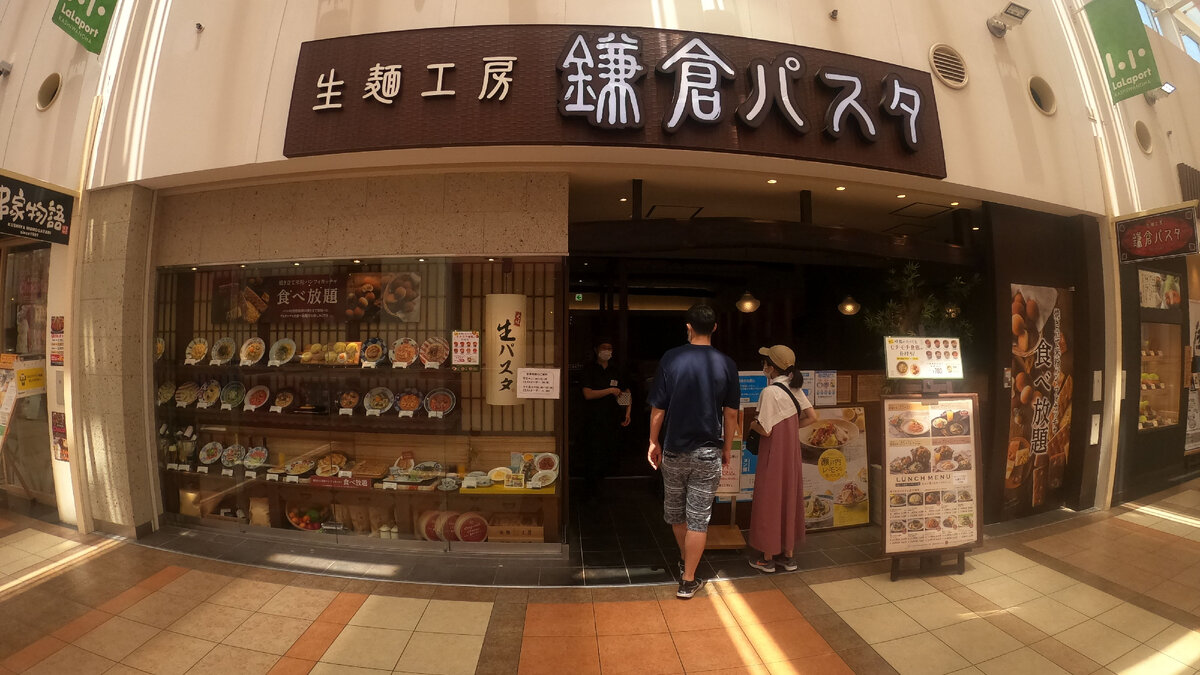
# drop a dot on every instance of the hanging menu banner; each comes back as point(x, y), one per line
point(34, 210)
point(931, 451)
point(923, 358)
point(610, 86)
point(505, 319)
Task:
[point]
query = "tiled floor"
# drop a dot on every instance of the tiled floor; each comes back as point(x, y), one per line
point(1100, 593)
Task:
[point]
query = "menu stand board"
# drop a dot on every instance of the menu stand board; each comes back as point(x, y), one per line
point(931, 478)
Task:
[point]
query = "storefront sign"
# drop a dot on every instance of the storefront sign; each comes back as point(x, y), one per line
point(58, 431)
point(618, 86)
point(86, 21)
point(464, 350)
point(58, 347)
point(1163, 233)
point(920, 358)
point(505, 317)
point(825, 384)
point(538, 383)
point(834, 451)
point(1041, 399)
point(1124, 48)
point(931, 451)
point(34, 210)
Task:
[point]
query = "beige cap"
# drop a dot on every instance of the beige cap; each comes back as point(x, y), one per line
point(780, 355)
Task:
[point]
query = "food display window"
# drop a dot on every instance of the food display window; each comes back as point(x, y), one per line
point(382, 401)
point(1162, 369)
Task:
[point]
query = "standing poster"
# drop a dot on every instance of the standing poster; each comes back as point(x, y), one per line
point(931, 477)
point(505, 318)
point(58, 429)
point(58, 346)
point(834, 451)
point(1039, 436)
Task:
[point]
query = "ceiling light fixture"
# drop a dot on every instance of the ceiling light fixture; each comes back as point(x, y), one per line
point(901, 196)
point(840, 188)
point(420, 260)
point(974, 228)
point(243, 265)
point(771, 181)
point(295, 264)
point(357, 262)
point(1010, 17)
point(623, 199)
point(849, 307)
point(193, 269)
point(953, 203)
point(747, 303)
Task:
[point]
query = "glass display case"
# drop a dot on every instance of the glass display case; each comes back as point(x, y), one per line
point(373, 401)
point(1161, 374)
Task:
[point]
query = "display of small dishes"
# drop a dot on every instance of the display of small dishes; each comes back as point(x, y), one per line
point(499, 474)
point(348, 400)
point(252, 351)
point(233, 455)
point(404, 351)
point(285, 399)
point(402, 295)
point(299, 466)
point(326, 467)
point(546, 461)
point(483, 482)
point(409, 401)
point(542, 479)
point(187, 393)
point(307, 517)
point(255, 457)
point(257, 397)
point(223, 350)
point(166, 390)
point(373, 351)
point(210, 393)
point(428, 470)
point(283, 350)
point(448, 484)
point(439, 401)
point(160, 346)
point(211, 452)
point(434, 351)
point(233, 394)
point(379, 398)
point(196, 349)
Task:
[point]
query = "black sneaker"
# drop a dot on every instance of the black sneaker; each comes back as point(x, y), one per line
point(788, 564)
point(689, 588)
point(767, 566)
point(682, 568)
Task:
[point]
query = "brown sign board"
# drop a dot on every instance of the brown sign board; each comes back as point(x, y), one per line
point(610, 86)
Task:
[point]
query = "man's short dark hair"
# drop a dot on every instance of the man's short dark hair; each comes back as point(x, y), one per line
point(702, 319)
point(602, 340)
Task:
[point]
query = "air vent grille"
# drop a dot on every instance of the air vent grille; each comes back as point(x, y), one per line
point(948, 65)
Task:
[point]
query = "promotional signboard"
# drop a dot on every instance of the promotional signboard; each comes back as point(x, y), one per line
point(86, 21)
point(504, 346)
point(1161, 233)
point(834, 451)
point(1124, 48)
point(923, 358)
point(34, 210)
point(931, 473)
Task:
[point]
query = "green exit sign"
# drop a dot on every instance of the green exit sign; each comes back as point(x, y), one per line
point(579, 297)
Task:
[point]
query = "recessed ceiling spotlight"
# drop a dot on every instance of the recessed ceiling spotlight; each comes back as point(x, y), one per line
point(420, 260)
point(356, 262)
point(243, 265)
point(491, 260)
point(975, 228)
point(193, 269)
point(840, 188)
point(901, 196)
point(771, 181)
point(295, 264)
point(953, 203)
point(624, 199)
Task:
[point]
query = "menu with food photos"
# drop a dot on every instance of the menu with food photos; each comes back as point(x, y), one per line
point(931, 473)
point(834, 452)
point(923, 358)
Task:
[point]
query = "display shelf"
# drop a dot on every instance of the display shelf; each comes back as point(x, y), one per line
point(238, 477)
point(497, 490)
point(250, 422)
point(307, 369)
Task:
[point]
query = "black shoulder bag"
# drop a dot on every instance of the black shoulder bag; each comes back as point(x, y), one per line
point(752, 439)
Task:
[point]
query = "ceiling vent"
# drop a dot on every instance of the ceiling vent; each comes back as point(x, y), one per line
point(948, 65)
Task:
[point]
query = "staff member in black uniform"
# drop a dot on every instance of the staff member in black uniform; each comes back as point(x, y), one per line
point(608, 403)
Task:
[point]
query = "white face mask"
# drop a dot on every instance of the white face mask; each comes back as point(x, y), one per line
point(605, 355)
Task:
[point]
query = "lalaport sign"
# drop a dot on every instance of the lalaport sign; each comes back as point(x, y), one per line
point(620, 86)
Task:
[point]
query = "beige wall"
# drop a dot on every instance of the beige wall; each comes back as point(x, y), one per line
point(471, 214)
point(110, 397)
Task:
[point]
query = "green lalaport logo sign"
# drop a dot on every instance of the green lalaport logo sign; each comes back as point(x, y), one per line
point(1125, 54)
point(85, 20)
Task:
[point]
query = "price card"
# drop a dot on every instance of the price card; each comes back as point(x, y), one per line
point(187, 433)
point(347, 411)
point(247, 362)
point(277, 408)
point(432, 365)
point(345, 474)
point(226, 406)
point(171, 466)
point(396, 364)
point(436, 414)
point(190, 362)
point(372, 412)
point(248, 408)
point(202, 469)
point(202, 404)
point(291, 479)
point(406, 413)
point(271, 363)
point(180, 404)
point(273, 477)
point(251, 475)
point(227, 472)
point(388, 486)
point(369, 364)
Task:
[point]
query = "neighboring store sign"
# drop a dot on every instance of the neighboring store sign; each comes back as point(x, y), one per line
point(85, 20)
point(923, 358)
point(619, 86)
point(1124, 48)
point(1162, 233)
point(34, 210)
point(1039, 437)
point(834, 452)
point(931, 451)
point(505, 319)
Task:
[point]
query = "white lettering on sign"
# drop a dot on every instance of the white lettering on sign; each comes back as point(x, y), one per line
point(846, 103)
point(699, 71)
point(383, 83)
point(497, 72)
point(617, 64)
point(903, 101)
point(441, 74)
point(328, 91)
point(777, 90)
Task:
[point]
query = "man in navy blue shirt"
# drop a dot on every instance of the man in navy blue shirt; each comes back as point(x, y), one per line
point(694, 406)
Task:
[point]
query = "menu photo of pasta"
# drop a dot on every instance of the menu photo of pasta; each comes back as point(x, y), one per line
point(930, 474)
point(834, 451)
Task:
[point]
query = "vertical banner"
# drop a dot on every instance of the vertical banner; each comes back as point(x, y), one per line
point(1039, 435)
point(834, 452)
point(1192, 439)
point(58, 429)
point(86, 21)
point(1124, 48)
point(504, 346)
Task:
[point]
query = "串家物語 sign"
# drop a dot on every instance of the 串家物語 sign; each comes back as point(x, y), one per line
point(592, 85)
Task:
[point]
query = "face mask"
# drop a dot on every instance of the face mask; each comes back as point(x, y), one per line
point(605, 356)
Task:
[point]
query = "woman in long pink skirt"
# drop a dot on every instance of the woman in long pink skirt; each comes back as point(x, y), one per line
point(777, 519)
